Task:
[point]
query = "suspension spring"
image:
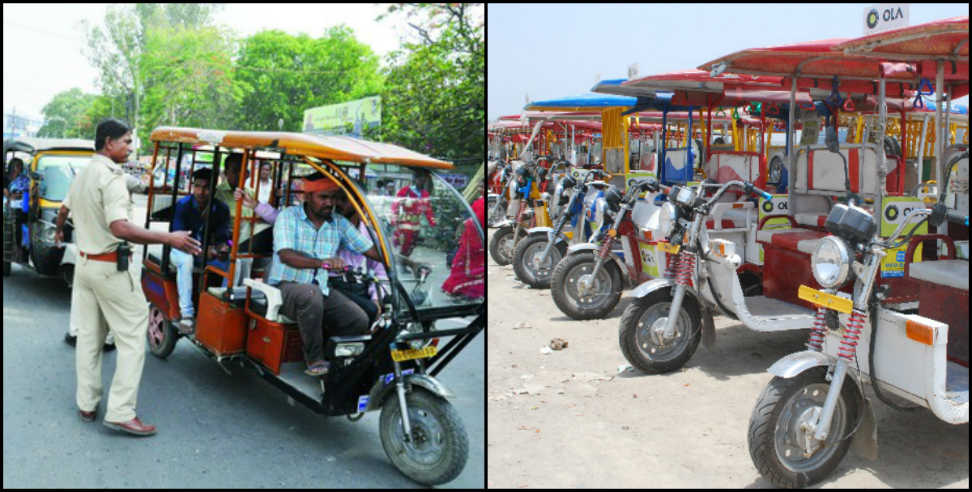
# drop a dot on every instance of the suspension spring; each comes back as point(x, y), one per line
point(815, 342)
point(605, 247)
point(686, 263)
point(852, 335)
point(671, 261)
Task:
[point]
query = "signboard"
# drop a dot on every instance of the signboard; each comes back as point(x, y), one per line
point(884, 17)
point(894, 209)
point(457, 181)
point(349, 118)
point(777, 205)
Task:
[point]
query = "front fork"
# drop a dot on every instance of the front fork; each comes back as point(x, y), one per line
point(400, 389)
point(551, 237)
point(684, 268)
point(848, 344)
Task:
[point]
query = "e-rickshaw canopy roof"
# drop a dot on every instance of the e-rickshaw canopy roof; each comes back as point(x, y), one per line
point(581, 103)
point(923, 44)
point(35, 144)
point(342, 148)
point(946, 39)
point(690, 87)
point(814, 63)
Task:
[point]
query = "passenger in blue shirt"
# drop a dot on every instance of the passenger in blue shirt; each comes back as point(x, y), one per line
point(190, 215)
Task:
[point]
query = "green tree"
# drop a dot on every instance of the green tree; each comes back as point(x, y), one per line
point(434, 98)
point(282, 75)
point(66, 115)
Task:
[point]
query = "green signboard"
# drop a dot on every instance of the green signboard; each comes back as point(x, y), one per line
point(349, 118)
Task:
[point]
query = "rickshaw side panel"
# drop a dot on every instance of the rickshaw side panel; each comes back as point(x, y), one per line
point(220, 326)
point(160, 291)
point(950, 306)
point(273, 343)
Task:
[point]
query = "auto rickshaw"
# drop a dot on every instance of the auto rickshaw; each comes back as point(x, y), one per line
point(51, 164)
point(239, 320)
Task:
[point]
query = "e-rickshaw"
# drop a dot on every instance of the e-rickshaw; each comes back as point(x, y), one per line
point(814, 408)
point(51, 164)
point(393, 368)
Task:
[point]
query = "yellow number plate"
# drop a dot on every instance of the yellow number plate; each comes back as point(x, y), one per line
point(408, 354)
point(668, 247)
point(825, 300)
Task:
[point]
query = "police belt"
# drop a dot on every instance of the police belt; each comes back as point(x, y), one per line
point(112, 256)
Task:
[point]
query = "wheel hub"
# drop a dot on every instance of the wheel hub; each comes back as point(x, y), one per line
point(584, 284)
point(426, 441)
point(805, 425)
point(657, 332)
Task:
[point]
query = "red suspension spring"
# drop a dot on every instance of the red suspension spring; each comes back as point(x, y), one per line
point(852, 335)
point(818, 331)
point(671, 261)
point(605, 247)
point(686, 263)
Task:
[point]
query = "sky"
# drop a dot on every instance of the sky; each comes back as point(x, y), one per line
point(547, 51)
point(42, 43)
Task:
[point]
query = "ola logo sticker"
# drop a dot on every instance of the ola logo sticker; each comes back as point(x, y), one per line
point(872, 18)
point(891, 213)
point(768, 206)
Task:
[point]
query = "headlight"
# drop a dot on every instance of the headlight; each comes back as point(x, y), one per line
point(685, 197)
point(830, 262)
point(666, 219)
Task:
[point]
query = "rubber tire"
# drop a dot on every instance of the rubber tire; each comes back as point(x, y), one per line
point(557, 289)
point(628, 328)
point(457, 442)
point(775, 163)
point(494, 246)
point(763, 421)
point(67, 274)
point(519, 265)
point(169, 338)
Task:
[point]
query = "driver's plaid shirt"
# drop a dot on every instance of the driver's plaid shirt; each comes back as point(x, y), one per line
point(293, 230)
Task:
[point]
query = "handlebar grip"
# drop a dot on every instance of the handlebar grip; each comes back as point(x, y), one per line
point(957, 217)
point(764, 194)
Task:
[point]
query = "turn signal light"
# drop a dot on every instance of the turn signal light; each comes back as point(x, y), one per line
point(919, 332)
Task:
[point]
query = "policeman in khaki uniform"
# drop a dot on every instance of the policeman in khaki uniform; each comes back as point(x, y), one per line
point(106, 293)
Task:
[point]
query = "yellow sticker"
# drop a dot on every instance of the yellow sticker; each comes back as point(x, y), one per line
point(408, 354)
point(668, 247)
point(825, 300)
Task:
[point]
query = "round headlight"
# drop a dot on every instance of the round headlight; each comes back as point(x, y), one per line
point(830, 262)
point(666, 218)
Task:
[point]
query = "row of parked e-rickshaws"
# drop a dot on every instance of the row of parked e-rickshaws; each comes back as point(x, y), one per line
point(854, 229)
point(422, 324)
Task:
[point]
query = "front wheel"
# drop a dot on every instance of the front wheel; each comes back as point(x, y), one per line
point(161, 334)
point(438, 448)
point(642, 339)
point(526, 260)
point(780, 428)
point(501, 245)
point(579, 293)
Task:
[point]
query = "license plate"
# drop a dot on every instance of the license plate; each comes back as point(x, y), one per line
point(668, 247)
point(400, 355)
point(825, 300)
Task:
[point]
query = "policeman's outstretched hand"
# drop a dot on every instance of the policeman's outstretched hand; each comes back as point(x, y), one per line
point(183, 242)
point(59, 239)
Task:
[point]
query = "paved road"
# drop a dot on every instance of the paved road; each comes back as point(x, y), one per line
point(215, 430)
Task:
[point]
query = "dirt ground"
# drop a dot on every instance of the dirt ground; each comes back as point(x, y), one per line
point(569, 418)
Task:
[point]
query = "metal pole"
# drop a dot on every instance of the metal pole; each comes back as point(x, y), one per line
point(882, 157)
point(791, 174)
point(939, 82)
point(921, 147)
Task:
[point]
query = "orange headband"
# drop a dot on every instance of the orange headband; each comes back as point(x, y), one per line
point(323, 184)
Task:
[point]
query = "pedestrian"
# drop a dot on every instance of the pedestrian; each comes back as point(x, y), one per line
point(106, 290)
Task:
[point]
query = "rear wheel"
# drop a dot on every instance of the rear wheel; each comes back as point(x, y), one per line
point(580, 295)
point(162, 335)
point(642, 340)
point(778, 429)
point(526, 258)
point(501, 245)
point(438, 447)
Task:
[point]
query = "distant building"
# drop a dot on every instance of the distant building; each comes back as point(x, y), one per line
point(18, 125)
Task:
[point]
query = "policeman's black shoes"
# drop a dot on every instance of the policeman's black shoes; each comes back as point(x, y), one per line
point(73, 341)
